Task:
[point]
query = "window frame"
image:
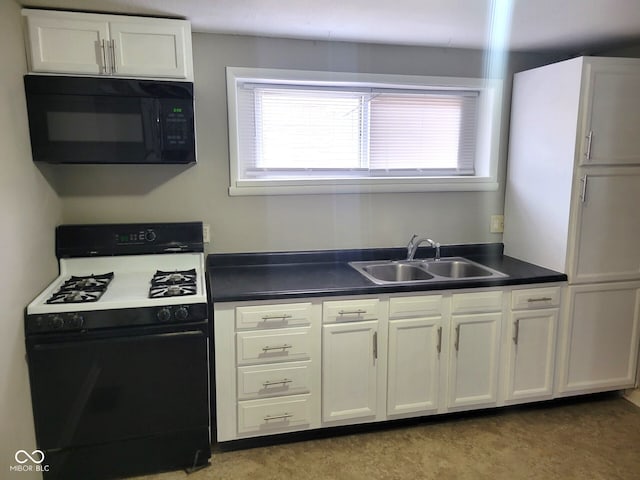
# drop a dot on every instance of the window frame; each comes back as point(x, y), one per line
point(487, 143)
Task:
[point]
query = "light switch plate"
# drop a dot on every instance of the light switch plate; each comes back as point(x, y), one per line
point(497, 224)
point(206, 235)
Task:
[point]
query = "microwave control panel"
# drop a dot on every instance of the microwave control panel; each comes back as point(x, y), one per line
point(178, 123)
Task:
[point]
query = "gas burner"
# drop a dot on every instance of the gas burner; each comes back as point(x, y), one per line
point(160, 291)
point(90, 283)
point(83, 289)
point(75, 296)
point(178, 277)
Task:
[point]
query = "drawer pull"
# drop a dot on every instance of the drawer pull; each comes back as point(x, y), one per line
point(541, 299)
point(269, 383)
point(282, 416)
point(352, 312)
point(283, 347)
point(276, 317)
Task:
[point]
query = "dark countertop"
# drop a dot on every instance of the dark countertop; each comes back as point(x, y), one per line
point(287, 275)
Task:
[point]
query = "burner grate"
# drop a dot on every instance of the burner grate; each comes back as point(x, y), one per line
point(82, 289)
point(161, 291)
point(178, 277)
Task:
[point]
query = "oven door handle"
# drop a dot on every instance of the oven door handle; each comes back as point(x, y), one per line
point(128, 334)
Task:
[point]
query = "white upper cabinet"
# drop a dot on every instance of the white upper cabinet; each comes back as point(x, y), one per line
point(118, 45)
point(612, 113)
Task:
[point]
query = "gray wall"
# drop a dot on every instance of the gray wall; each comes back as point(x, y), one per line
point(300, 222)
point(29, 211)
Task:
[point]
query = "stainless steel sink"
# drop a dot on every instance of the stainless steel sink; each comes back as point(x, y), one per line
point(383, 272)
point(397, 272)
point(458, 269)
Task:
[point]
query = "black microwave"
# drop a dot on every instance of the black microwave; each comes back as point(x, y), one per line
point(110, 120)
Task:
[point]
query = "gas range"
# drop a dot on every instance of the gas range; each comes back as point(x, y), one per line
point(119, 275)
point(117, 340)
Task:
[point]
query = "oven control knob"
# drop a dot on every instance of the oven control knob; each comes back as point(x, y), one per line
point(56, 322)
point(182, 313)
point(75, 321)
point(164, 314)
point(150, 236)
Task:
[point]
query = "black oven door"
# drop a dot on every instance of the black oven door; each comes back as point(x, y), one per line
point(121, 404)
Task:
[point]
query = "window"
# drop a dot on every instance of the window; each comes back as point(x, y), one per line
point(316, 132)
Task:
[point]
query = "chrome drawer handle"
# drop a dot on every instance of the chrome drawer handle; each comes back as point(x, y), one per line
point(276, 317)
point(269, 383)
point(541, 299)
point(278, 417)
point(352, 312)
point(277, 347)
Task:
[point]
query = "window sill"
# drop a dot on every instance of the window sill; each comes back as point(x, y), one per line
point(449, 184)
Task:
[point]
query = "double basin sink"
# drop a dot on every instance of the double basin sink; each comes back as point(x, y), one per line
point(382, 272)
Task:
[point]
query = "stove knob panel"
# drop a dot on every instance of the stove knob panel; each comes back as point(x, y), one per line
point(56, 322)
point(182, 314)
point(164, 315)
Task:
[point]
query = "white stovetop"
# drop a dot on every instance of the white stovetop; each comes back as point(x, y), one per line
point(130, 285)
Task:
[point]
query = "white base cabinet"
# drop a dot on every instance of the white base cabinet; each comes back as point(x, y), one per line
point(416, 331)
point(599, 345)
point(531, 339)
point(98, 44)
point(323, 362)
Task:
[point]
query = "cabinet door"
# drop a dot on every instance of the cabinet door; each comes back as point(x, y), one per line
point(154, 49)
point(67, 45)
point(414, 363)
point(349, 369)
point(473, 366)
point(612, 113)
point(599, 348)
point(532, 339)
point(608, 228)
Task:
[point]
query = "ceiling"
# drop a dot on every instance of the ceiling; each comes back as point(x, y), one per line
point(520, 25)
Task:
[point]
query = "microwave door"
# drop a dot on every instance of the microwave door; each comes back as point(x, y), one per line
point(90, 129)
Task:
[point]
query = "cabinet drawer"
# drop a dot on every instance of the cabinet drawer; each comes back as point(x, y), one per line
point(477, 302)
point(350, 310)
point(273, 346)
point(273, 316)
point(275, 414)
point(535, 298)
point(419, 306)
point(262, 381)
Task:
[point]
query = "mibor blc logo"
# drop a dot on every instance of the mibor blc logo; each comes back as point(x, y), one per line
point(29, 462)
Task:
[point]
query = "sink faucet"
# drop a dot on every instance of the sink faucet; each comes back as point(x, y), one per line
point(415, 242)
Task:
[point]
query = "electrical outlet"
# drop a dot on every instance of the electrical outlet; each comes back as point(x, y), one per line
point(206, 234)
point(497, 224)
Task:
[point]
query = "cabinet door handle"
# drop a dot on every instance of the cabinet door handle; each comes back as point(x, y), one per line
point(352, 312)
point(282, 347)
point(439, 346)
point(375, 346)
point(113, 56)
point(456, 344)
point(282, 416)
point(587, 153)
point(270, 383)
point(103, 48)
point(516, 331)
point(541, 299)
point(276, 317)
point(583, 193)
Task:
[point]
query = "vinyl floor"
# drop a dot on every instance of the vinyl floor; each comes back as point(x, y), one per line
point(588, 439)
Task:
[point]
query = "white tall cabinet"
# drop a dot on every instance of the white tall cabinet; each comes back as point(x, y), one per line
point(572, 199)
